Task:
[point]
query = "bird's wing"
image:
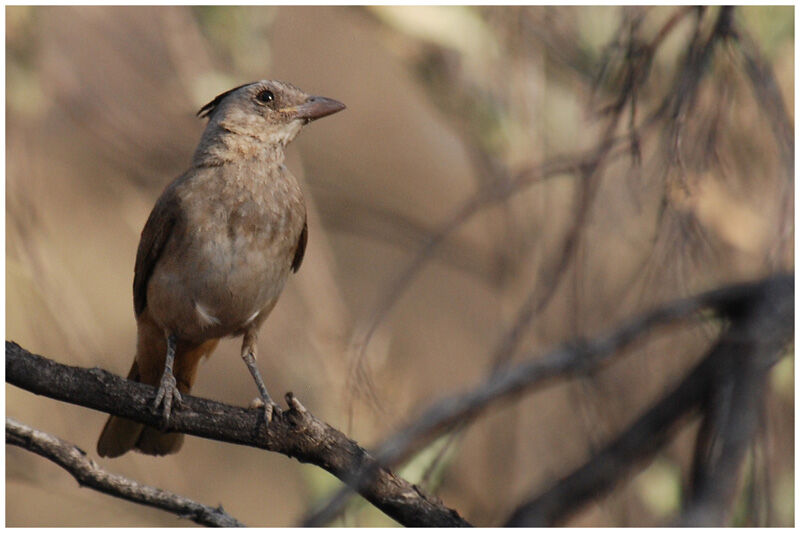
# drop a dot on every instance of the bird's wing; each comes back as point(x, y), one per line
point(155, 235)
point(300, 251)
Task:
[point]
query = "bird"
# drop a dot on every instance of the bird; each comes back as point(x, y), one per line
point(216, 251)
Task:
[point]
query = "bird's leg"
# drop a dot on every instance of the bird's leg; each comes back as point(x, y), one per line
point(249, 356)
point(168, 388)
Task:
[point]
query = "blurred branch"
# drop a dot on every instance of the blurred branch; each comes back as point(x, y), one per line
point(294, 433)
point(732, 403)
point(89, 474)
point(730, 376)
point(499, 183)
point(574, 359)
point(641, 440)
point(491, 194)
point(680, 100)
point(768, 95)
point(384, 225)
point(550, 280)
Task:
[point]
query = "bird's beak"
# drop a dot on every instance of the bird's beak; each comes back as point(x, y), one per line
point(317, 107)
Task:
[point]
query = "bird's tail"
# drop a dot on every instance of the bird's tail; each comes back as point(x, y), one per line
point(121, 435)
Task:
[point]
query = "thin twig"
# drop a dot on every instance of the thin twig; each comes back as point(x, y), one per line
point(635, 74)
point(89, 474)
point(768, 95)
point(489, 195)
point(584, 164)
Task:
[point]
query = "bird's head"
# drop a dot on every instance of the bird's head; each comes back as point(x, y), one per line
point(270, 111)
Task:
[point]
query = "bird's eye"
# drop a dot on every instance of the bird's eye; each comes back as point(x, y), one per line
point(265, 96)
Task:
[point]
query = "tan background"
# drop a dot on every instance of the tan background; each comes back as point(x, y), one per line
point(100, 116)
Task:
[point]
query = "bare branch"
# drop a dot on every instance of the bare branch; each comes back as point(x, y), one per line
point(295, 432)
point(573, 359)
point(89, 474)
point(761, 325)
point(500, 184)
point(641, 440)
point(767, 93)
point(488, 195)
point(732, 404)
point(550, 280)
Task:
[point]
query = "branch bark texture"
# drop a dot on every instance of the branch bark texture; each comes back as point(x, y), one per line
point(294, 432)
point(89, 474)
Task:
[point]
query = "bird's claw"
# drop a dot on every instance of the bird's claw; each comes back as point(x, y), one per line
point(269, 408)
point(166, 394)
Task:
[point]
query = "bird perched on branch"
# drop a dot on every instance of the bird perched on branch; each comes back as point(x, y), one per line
point(216, 250)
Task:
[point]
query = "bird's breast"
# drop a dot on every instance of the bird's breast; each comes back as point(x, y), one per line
point(234, 258)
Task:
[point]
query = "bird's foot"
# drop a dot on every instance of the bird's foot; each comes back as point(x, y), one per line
point(166, 394)
point(269, 409)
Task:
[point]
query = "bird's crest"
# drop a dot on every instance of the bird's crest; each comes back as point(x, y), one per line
point(208, 109)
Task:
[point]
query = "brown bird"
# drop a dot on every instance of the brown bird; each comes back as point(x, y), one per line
point(216, 250)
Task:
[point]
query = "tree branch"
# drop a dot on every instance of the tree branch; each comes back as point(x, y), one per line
point(294, 433)
point(761, 326)
point(732, 403)
point(575, 358)
point(89, 474)
point(755, 309)
point(768, 95)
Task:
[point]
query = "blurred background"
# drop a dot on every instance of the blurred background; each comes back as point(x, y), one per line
point(451, 231)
